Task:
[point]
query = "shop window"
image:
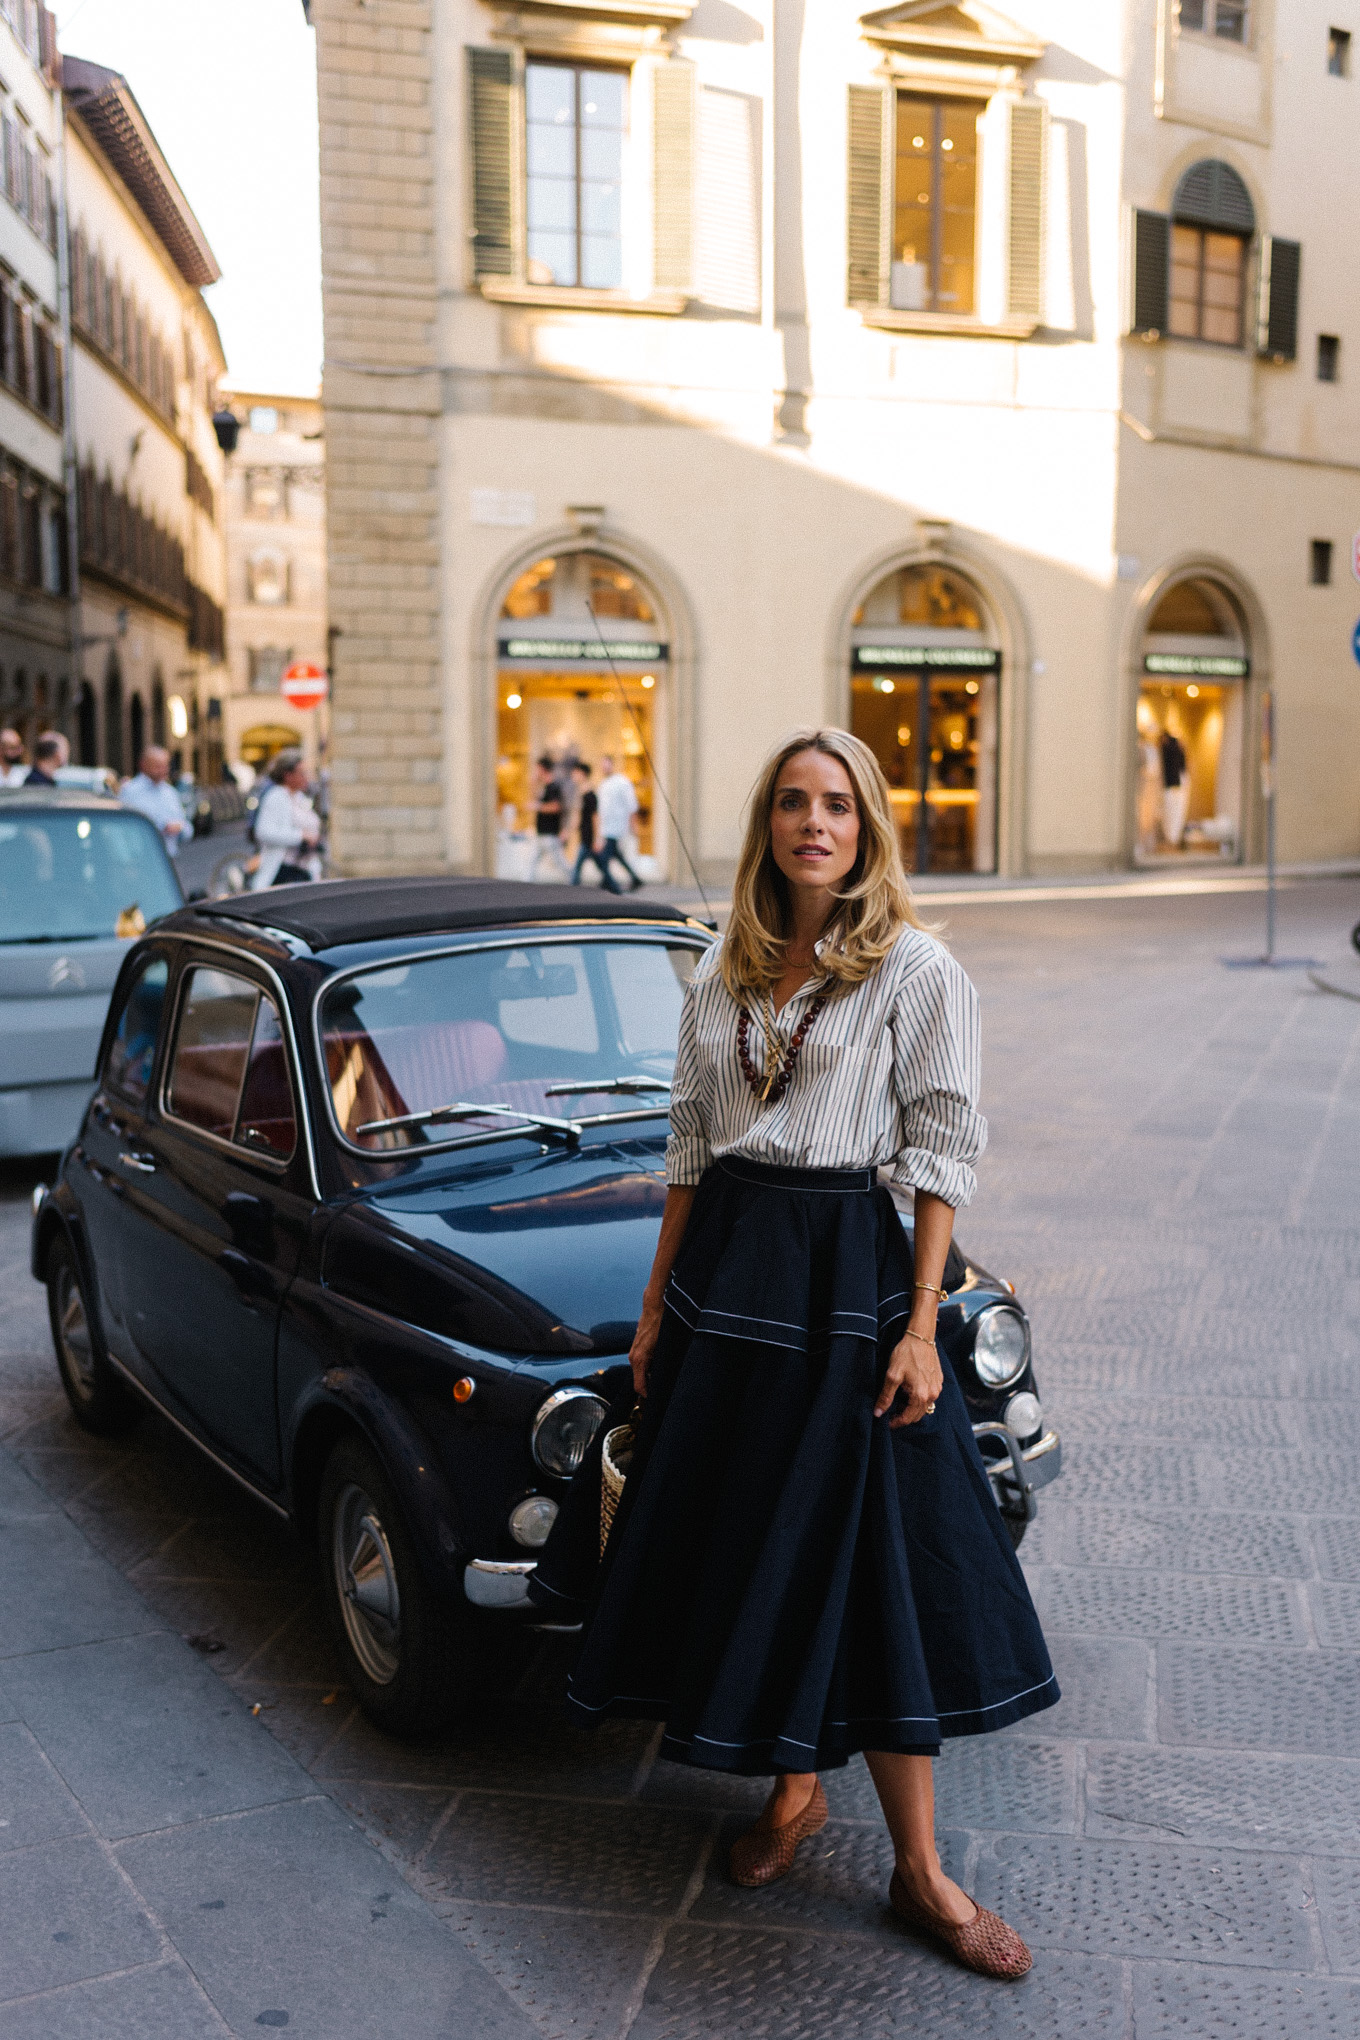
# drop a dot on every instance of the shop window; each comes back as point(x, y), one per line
point(1226, 19)
point(1328, 357)
point(1338, 53)
point(1190, 726)
point(576, 123)
point(532, 593)
point(934, 205)
point(1320, 562)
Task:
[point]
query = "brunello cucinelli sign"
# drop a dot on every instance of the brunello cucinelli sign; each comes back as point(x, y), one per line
point(955, 658)
point(556, 651)
point(1197, 665)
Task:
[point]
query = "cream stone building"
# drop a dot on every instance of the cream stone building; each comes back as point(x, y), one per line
point(147, 360)
point(275, 513)
point(980, 379)
point(36, 624)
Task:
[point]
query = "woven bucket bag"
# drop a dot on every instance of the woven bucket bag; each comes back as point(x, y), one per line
point(616, 1458)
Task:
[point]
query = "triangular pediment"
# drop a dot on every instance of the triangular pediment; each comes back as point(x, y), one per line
point(965, 31)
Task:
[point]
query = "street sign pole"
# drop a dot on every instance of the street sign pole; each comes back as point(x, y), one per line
point(1270, 961)
point(1268, 793)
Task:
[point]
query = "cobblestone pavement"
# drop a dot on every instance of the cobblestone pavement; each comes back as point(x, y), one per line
point(1173, 1188)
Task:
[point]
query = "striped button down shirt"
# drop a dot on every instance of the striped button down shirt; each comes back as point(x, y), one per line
point(887, 1074)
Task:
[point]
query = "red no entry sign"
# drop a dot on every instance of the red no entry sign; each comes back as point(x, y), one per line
point(304, 684)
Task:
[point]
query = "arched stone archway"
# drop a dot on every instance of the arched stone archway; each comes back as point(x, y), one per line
point(136, 730)
point(549, 687)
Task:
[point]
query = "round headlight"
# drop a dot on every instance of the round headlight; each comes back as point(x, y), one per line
point(532, 1519)
point(1024, 1414)
point(1000, 1346)
point(564, 1428)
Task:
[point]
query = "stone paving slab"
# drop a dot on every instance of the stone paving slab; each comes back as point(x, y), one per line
point(166, 1869)
point(1304, 1701)
point(1236, 1801)
point(1181, 2002)
point(278, 1913)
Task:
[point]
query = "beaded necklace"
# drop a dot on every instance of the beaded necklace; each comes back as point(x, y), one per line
point(771, 1083)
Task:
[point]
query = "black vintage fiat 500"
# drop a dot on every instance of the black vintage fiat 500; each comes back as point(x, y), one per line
point(364, 1202)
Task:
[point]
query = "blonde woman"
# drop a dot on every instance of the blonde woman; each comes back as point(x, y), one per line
point(807, 1561)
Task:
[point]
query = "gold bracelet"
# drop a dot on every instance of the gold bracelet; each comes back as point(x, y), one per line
point(934, 1289)
point(920, 1337)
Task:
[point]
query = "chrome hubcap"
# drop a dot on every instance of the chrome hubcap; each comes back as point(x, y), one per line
point(75, 1334)
point(366, 1576)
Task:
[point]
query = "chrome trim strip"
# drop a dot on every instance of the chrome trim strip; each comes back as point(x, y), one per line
point(221, 1464)
point(498, 1583)
point(553, 932)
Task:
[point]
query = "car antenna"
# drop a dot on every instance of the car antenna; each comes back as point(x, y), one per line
point(710, 920)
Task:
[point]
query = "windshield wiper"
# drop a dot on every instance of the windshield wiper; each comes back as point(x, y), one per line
point(567, 1129)
point(627, 1087)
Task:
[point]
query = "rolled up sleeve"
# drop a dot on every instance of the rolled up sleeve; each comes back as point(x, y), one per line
point(687, 1148)
point(936, 1073)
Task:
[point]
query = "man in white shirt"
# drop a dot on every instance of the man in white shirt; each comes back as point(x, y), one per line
point(13, 766)
point(617, 806)
point(152, 795)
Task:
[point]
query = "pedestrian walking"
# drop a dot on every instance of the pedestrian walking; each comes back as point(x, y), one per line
point(807, 1561)
point(287, 827)
point(618, 805)
point(587, 822)
point(150, 793)
point(548, 809)
point(13, 764)
point(50, 753)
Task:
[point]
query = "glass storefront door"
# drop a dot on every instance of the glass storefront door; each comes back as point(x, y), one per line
point(934, 734)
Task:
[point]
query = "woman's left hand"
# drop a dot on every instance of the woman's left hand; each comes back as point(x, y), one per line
point(913, 1370)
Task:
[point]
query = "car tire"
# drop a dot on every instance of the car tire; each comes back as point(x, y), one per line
point(408, 1656)
point(99, 1401)
point(1016, 1527)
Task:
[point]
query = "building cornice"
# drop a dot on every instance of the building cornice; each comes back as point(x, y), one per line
point(118, 129)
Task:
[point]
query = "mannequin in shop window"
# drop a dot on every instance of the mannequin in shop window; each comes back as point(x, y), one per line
point(1175, 789)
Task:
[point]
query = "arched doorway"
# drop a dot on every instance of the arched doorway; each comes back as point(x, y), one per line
point(158, 711)
point(113, 718)
point(582, 661)
point(87, 733)
point(137, 728)
point(1194, 666)
point(925, 671)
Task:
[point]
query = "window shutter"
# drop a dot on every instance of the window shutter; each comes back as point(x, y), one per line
point(869, 200)
point(1151, 266)
point(1277, 328)
point(1029, 149)
point(673, 123)
point(493, 97)
point(727, 206)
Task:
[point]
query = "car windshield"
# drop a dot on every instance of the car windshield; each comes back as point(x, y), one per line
point(69, 876)
point(501, 1027)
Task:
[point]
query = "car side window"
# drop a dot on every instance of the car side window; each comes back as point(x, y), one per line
point(229, 1074)
point(132, 1052)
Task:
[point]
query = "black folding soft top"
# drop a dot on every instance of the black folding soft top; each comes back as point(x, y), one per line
point(339, 910)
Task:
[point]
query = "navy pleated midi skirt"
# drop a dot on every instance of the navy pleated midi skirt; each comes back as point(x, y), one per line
point(788, 1581)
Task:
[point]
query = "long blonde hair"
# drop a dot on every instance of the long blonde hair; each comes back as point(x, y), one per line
point(875, 902)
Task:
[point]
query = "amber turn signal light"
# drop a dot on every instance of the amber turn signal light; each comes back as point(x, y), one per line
point(464, 1389)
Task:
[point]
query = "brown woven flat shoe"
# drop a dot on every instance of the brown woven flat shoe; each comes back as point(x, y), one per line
point(764, 1852)
point(984, 1943)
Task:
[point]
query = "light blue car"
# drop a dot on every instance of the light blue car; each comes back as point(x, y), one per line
point(80, 878)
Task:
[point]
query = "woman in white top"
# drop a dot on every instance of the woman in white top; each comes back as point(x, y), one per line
point(287, 827)
point(807, 1561)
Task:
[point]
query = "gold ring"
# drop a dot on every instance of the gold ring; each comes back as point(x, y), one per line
point(930, 1409)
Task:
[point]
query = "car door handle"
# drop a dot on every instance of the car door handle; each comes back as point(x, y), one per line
point(145, 1165)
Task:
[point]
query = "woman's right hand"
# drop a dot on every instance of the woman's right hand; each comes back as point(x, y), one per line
point(644, 1345)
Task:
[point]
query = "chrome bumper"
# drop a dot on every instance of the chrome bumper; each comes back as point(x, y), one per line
point(498, 1583)
point(1025, 1469)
